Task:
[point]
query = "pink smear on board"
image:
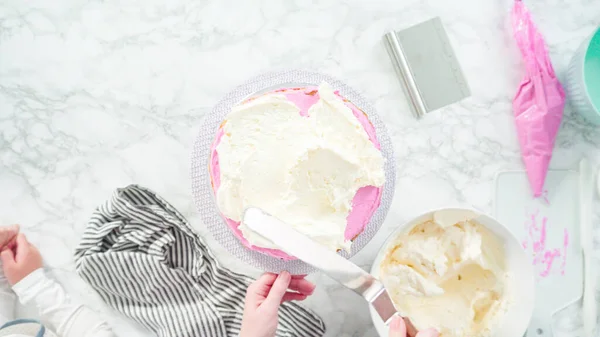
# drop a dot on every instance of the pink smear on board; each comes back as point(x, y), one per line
point(565, 245)
point(544, 197)
point(544, 257)
point(366, 200)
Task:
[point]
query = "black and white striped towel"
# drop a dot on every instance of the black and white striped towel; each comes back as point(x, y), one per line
point(143, 258)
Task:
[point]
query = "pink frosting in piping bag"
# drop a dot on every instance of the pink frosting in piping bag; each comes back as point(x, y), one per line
point(365, 201)
point(539, 102)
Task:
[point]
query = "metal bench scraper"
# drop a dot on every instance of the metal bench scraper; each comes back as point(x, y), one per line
point(427, 66)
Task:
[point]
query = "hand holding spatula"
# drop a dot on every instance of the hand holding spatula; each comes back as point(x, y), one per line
point(335, 266)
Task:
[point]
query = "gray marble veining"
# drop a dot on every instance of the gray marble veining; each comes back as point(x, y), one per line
point(99, 94)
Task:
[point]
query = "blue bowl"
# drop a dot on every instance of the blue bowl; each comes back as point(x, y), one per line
point(583, 79)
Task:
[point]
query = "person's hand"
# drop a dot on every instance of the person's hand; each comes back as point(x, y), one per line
point(398, 329)
point(20, 260)
point(264, 297)
point(8, 235)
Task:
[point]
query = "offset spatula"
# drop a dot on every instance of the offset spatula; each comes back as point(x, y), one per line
point(332, 264)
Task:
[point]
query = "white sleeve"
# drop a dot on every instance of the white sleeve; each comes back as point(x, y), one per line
point(7, 300)
point(56, 310)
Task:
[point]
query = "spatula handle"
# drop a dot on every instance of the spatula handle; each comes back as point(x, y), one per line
point(411, 331)
point(589, 296)
point(586, 191)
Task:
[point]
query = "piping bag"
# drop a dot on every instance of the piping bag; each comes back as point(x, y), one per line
point(539, 102)
point(335, 266)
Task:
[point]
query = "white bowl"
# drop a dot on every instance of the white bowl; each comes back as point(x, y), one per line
point(521, 281)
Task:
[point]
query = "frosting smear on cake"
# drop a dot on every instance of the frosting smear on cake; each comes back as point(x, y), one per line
point(303, 168)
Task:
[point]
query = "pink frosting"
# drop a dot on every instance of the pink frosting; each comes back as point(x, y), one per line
point(539, 102)
point(365, 202)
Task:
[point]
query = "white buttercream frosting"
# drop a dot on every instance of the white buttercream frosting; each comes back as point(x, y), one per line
point(448, 273)
point(304, 170)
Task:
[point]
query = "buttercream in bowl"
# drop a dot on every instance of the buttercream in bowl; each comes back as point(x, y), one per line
point(460, 272)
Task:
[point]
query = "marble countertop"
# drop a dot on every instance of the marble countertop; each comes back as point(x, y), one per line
point(96, 95)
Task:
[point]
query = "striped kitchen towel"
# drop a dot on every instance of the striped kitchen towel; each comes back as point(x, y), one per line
point(143, 258)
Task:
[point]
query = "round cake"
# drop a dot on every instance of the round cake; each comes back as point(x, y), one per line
point(307, 156)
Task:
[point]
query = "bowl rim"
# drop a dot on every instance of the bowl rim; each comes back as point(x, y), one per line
point(587, 42)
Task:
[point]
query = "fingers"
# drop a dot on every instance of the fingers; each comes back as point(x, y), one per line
point(302, 286)
point(428, 333)
point(14, 229)
point(290, 296)
point(8, 257)
point(298, 283)
point(22, 247)
point(22, 239)
point(259, 289)
point(263, 284)
point(34, 250)
point(11, 244)
point(279, 289)
point(267, 279)
point(397, 327)
point(7, 234)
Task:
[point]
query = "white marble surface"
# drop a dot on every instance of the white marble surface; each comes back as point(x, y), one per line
point(99, 94)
